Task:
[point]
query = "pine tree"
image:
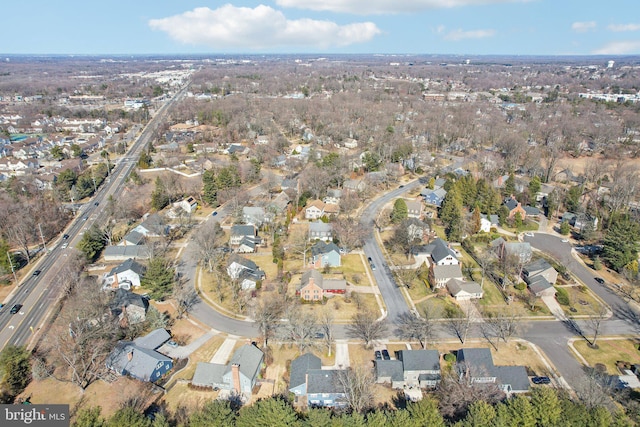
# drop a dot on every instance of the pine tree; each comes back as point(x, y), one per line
point(273, 412)
point(158, 278)
point(215, 413)
point(425, 413)
point(546, 406)
point(400, 211)
point(481, 414)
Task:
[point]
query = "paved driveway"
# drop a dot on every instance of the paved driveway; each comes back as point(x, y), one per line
point(554, 307)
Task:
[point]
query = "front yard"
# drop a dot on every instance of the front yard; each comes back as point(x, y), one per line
point(609, 352)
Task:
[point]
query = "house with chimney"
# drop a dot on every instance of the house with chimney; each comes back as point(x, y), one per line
point(314, 287)
point(245, 271)
point(515, 207)
point(325, 254)
point(129, 308)
point(140, 359)
point(239, 376)
point(188, 204)
point(540, 276)
point(477, 365)
point(443, 263)
point(125, 275)
point(314, 386)
point(410, 368)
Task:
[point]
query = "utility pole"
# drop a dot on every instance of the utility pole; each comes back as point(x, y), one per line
point(15, 279)
point(42, 237)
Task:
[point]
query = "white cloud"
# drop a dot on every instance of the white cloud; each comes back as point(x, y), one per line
point(618, 28)
point(619, 48)
point(583, 27)
point(459, 34)
point(230, 27)
point(376, 7)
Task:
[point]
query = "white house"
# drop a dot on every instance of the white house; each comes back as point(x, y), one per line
point(125, 275)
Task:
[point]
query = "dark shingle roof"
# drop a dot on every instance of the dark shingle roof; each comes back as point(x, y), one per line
point(129, 264)
point(323, 381)
point(441, 250)
point(419, 360)
point(249, 357)
point(390, 368)
point(153, 339)
point(299, 368)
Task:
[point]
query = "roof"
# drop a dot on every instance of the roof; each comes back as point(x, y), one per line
point(515, 376)
point(153, 339)
point(323, 381)
point(247, 263)
point(321, 248)
point(249, 358)
point(133, 251)
point(536, 267)
point(530, 210)
point(480, 362)
point(133, 237)
point(320, 226)
point(390, 368)
point(413, 205)
point(447, 271)
point(539, 283)
point(457, 286)
point(300, 366)
point(208, 374)
point(139, 362)
point(420, 360)
point(243, 230)
point(154, 223)
point(125, 298)
point(441, 250)
point(129, 264)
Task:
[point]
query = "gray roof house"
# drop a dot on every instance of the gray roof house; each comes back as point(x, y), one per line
point(255, 215)
point(434, 197)
point(122, 253)
point(153, 226)
point(540, 276)
point(320, 231)
point(442, 254)
point(240, 375)
point(139, 358)
point(462, 290)
point(132, 238)
point(125, 275)
point(520, 250)
point(313, 385)
point(323, 254)
point(244, 270)
point(412, 368)
point(238, 232)
point(478, 364)
point(439, 275)
point(129, 307)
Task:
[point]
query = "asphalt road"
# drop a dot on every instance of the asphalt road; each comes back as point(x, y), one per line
point(37, 294)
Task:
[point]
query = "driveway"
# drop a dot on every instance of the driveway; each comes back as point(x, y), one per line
point(223, 353)
point(342, 355)
point(554, 307)
point(182, 352)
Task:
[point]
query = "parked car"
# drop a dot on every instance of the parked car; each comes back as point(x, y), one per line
point(385, 355)
point(16, 308)
point(600, 280)
point(172, 343)
point(541, 380)
point(378, 355)
point(373, 266)
point(528, 234)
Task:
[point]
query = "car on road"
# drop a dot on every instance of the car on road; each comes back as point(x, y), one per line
point(214, 213)
point(565, 240)
point(541, 380)
point(84, 218)
point(600, 280)
point(96, 203)
point(369, 259)
point(385, 355)
point(528, 234)
point(373, 267)
point(37, 272)
point(401, 186)
point(16, 308)
point(378, 355)
point(65, 236)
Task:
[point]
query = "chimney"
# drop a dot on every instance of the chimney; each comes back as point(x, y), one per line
point(115, 282)
point(130, 355)
point(235, 377)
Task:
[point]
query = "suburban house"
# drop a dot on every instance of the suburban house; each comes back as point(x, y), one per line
point(239, 232)
point(488, 222)
point(240, 375)
point(356, 185)
point(463, 291)
point(477, 364)
point(325, 254)
point(314, 386)
point(189, 205)
point(441, 253)
point(245, 270)
point(434, 197)
point(320, 231)
point(153, 226)
point(417, 229)
point(314, 209)
point(414, 209)
point(412, 368)
point(125, 275)
point(516, 207)
point(132, 238)
point(139, 358)
point(580, 221)
point(540, 277)
point(443, 263)
point(255, 215)
point(521, 251)
point(279, 204)
point(124, 252)
point(314, 287)
point(439, 275)
point(128, 307)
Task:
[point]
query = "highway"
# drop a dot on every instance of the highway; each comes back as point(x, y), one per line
point(37, 294)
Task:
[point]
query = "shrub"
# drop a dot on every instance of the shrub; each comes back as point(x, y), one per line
point(562, 296)
point(449, 357)
point(521, 286)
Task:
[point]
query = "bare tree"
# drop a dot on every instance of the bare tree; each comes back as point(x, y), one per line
point(594, 322)
point(411, 327)
point(350, 234)
point(406, 276)
point(458, 322)
point(366, 327)
point(267, 314)
point(300, 328)
point(504, 325)
point(85, 337)
point(357, 383)
point(299, 243)
point(326, 328)
point(209, 241)
point(185, 297)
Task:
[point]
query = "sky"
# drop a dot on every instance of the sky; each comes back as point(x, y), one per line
point(462, 27)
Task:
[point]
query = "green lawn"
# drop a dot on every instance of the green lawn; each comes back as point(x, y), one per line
point(582, 301)
point(492, 296)
point(418, 290)
point(436, 306)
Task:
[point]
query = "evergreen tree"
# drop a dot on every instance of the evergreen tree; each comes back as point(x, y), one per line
point(572, 199)
point(425, 413)
point(534, 186)
point(451, 214)
point(6, 258)
point(481, 414)
point(318, 417)
point(565, 228)
point(476, 221)
point(272, 412)
point(158, 278)
point(92, 243)
point(210, 188)
point(509, 186)
point(215, 413)
point(15, 369)
point(159, 196)
point(520, 412)
point(129, 417)
point(90, 417)
point(620, 243)
point(546, 406)
point(400, 211)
